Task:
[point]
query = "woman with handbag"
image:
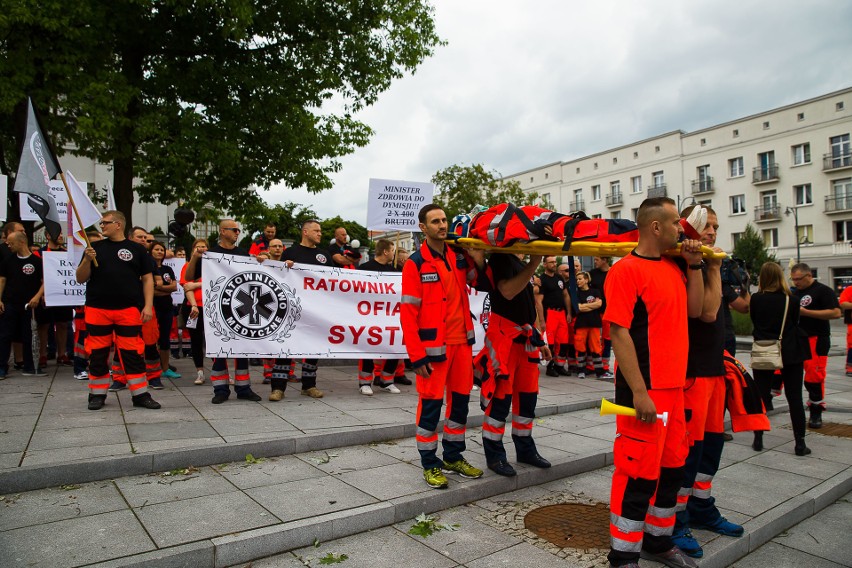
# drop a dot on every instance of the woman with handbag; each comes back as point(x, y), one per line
point(191, 310)
point(775, 315)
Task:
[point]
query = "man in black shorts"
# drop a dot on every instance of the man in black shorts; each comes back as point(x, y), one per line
point(21, 290)
point(557, 314)
point(119, 298)
point(306, 252)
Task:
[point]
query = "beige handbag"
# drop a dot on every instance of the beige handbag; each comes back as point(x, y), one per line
point(766, 353)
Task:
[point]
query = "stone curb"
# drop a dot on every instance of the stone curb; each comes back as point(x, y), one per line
point(246, 546)
point(28, 478)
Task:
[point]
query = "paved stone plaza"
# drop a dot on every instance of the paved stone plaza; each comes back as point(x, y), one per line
point(174, 487)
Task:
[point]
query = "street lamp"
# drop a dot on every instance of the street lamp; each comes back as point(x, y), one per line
point(681, 202)
point(795, 211)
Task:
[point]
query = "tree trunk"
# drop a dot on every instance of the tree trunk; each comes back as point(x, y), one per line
point(123, 187)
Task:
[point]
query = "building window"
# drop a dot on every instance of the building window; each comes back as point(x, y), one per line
point(578, 170)
point(738, 204)
point(614, 161)
point(657, 149)
point(616, 215)
point(544, 199)
point(615, 187)
point(766, 125)
point(800, 116)
point(736, 133)
point(596, 165)
point(659, 179)
point(636, 184)
point(703, 141)
point(634, 213)
point(840, 150)
point(770, 238)
point(839, 106)
point(735, 238)
point(801, 154)
point(597, 216)
point(596, 193)
point(806, 234)
point(803, 194)
point(635, 155)
point(532, 179)
point(769, 200)
point(735, 167)
point(546, 176)
point(842, 231)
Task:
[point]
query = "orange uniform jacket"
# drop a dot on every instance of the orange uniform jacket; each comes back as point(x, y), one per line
point(742, 398)
point(423, 312)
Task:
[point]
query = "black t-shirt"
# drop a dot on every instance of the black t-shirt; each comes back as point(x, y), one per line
point(597, 283)
point(592, 318)
point(5, 252)
point(334, 249)
point(376, 266)
point(305, 255)
point(817, 296)
point(521, 308)
point(217, 248)
point(552, 292)
point(115, 283)
point(23, 279)
point(168, 276)
point(706, 346)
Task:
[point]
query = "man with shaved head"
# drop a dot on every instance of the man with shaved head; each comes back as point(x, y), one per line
point(649, 299)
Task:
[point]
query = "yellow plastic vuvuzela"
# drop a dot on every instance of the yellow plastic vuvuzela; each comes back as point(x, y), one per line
point(608, 407)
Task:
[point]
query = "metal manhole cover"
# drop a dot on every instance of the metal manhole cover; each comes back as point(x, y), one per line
point(832, 429)
point(571, 525)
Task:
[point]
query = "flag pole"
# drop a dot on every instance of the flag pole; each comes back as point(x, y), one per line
point(77, 215)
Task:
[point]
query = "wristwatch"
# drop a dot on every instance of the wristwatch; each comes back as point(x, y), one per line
point(698, 266)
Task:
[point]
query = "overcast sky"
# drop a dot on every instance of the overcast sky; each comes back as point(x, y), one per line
point(523, 84)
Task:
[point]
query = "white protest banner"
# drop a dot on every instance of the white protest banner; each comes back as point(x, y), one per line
point(393, 204)
point(4, 189)
point(176, 265)
point(60, 196)
point(60, 281)
point(266, 310)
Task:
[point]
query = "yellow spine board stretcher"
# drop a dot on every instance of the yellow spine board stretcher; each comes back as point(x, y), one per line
point(578, 248)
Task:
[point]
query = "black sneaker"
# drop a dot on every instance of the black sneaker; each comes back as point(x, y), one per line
point(249, 395)
point(156, 384)
point(144, 400)
point(403, 381)
point(18, 366)
point(551, 372)
point(219, 398)
point(96, 401)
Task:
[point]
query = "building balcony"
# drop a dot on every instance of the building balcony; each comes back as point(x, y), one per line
point(577, 205)
point(614, 200)
point(657, 191)
point(838, 203)
point(702, 186)
point(765, 174)
point(765, 214)
point(830, 162)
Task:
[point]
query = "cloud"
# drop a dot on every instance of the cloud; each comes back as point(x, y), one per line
point(520, 85)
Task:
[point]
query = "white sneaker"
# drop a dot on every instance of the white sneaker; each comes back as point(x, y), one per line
point(474, 388)
point(82, 376)
point(366, 390)
point(581, 375)
point(607, 376)
point(199, 380)
point(392, 389)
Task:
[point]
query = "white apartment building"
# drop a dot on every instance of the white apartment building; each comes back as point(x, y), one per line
point(787, 171)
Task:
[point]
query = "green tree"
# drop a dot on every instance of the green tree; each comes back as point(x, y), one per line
point(752, 250)
point(353, 229)
point(288, 219)
point(459, 188)
point(203, 101)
